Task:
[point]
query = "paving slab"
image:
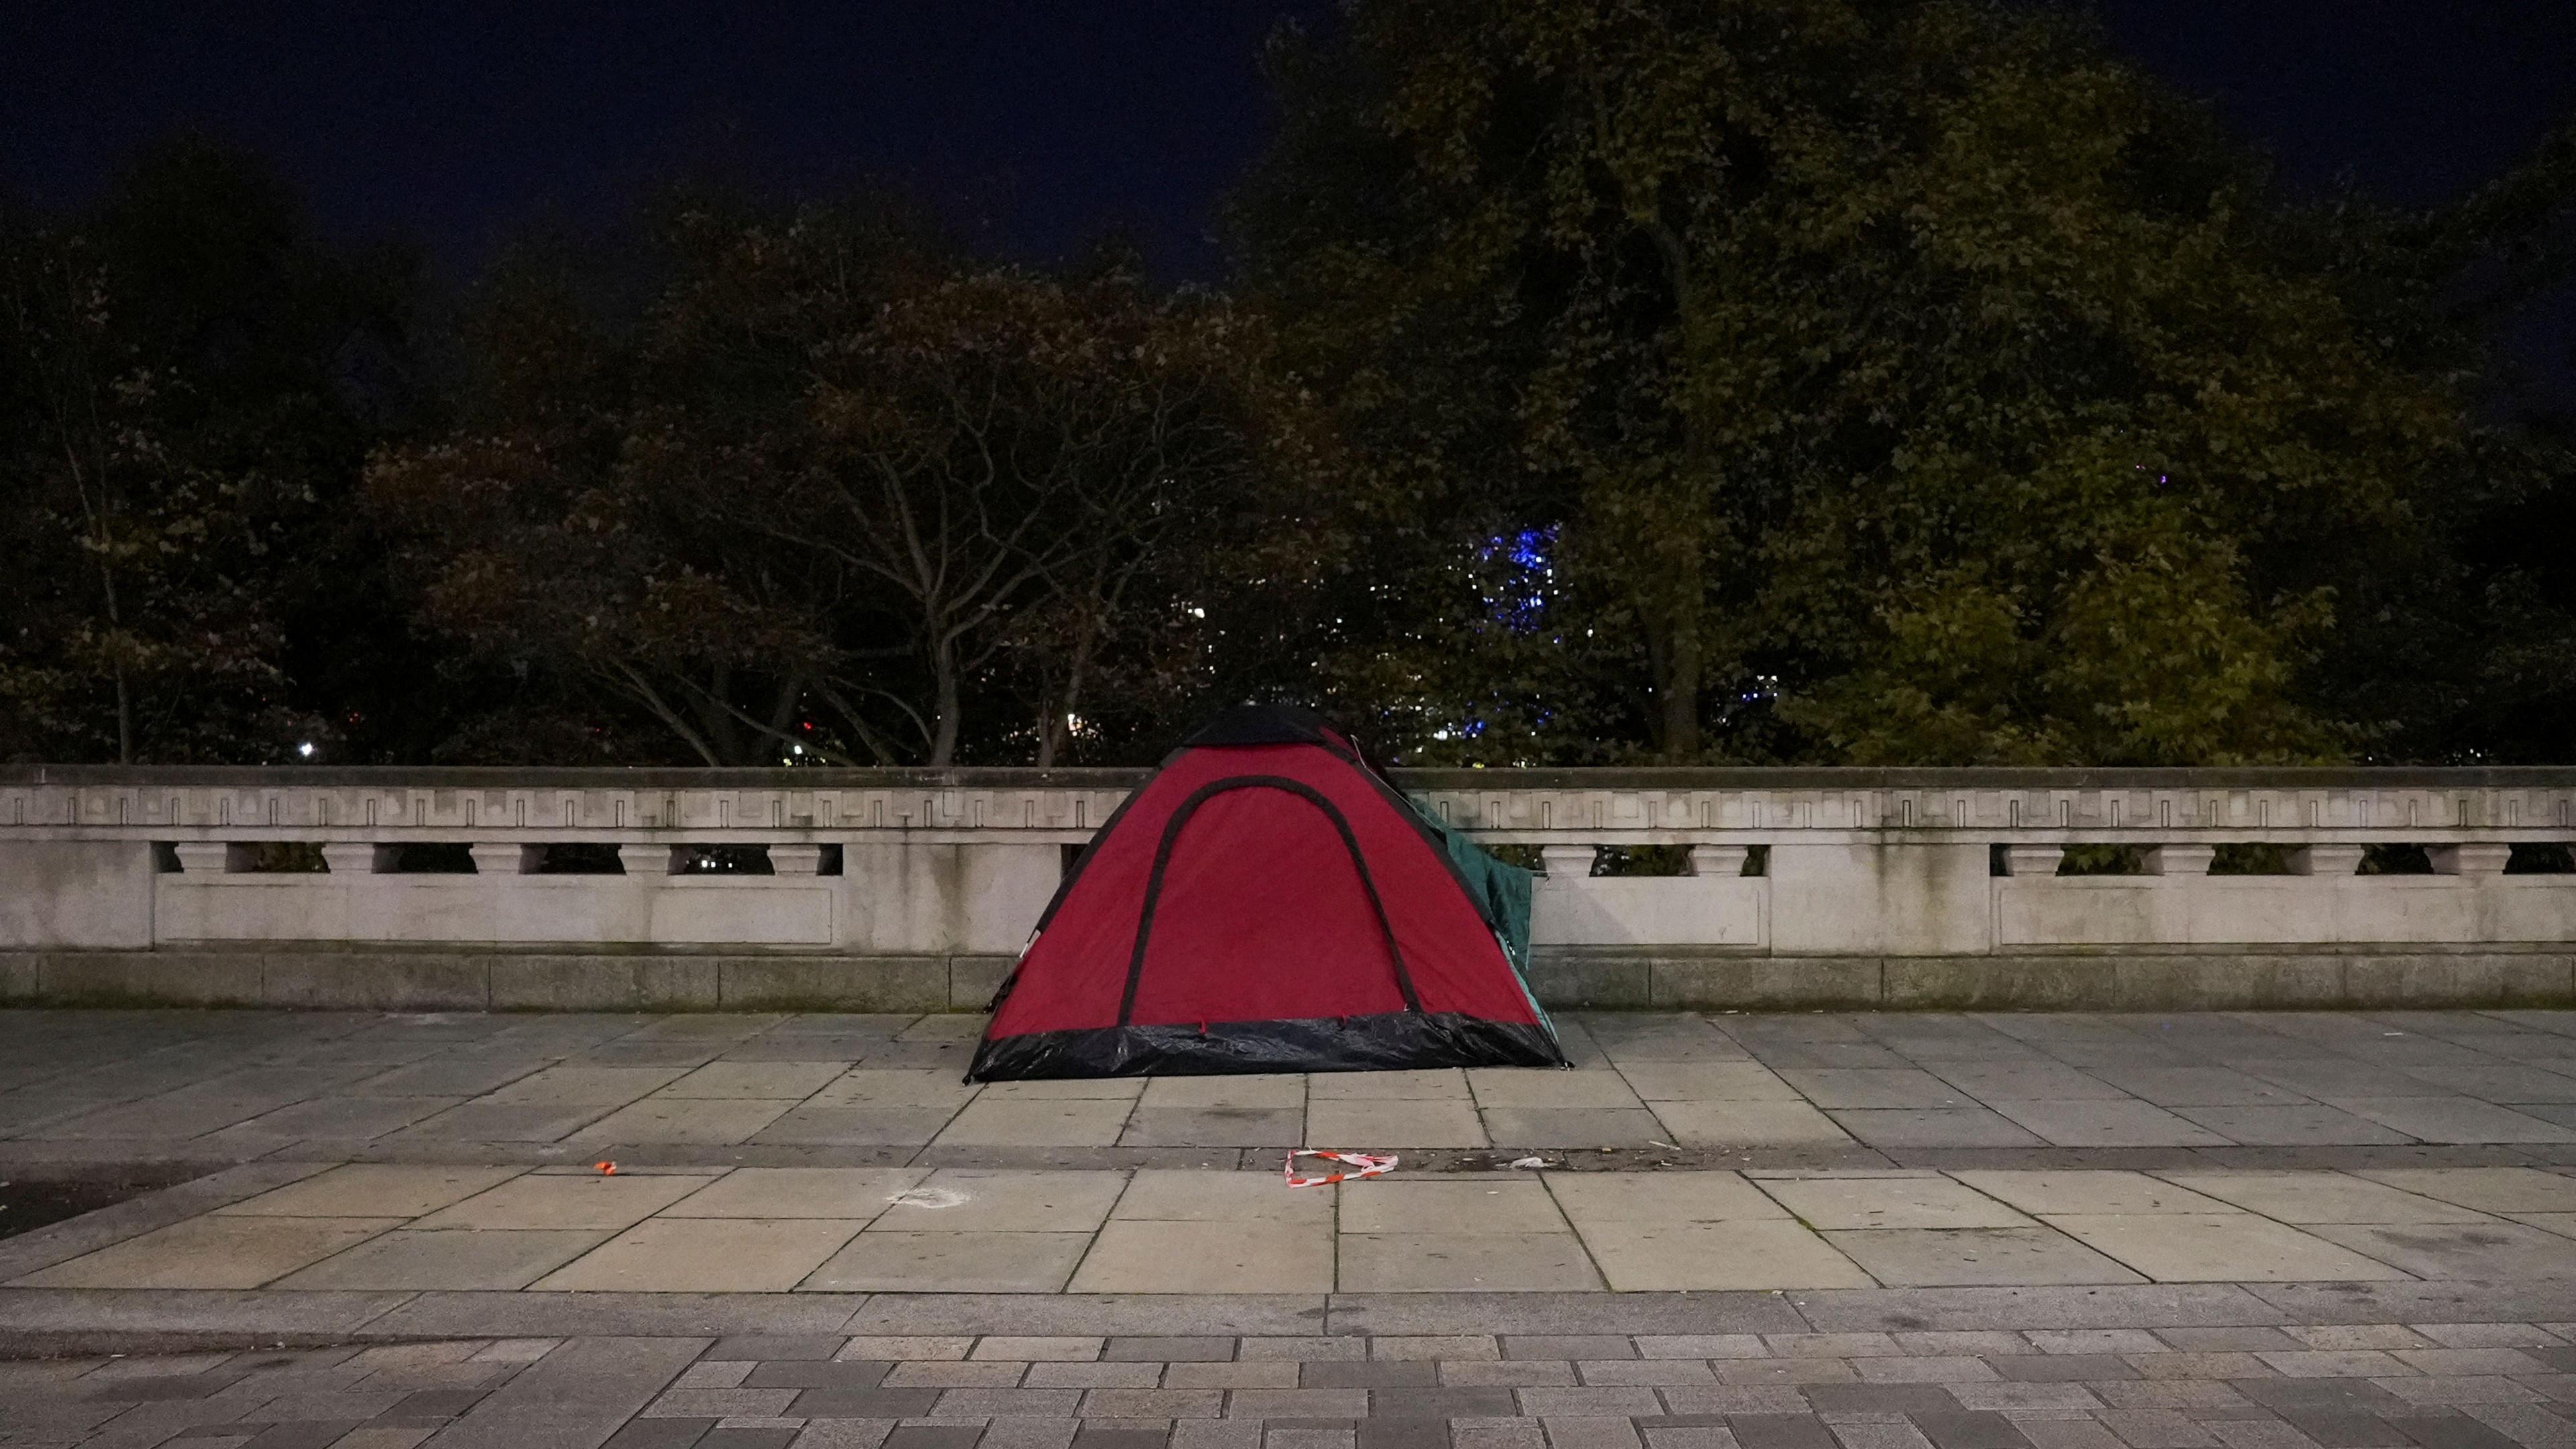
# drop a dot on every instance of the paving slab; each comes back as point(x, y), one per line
point(1178, 1196)
point(578, 1086)
point(846, 1193)
point(2108, 1192)
point(1464, 1262)
point(1749, 1124)
point(1151, 1126)
point(2486, 1189)
point(1832, 1087)
point(1065, 1121)
point(787, 1080)
point(357, 1119)
point(62, 1241)
point(2322, 1197)
point(212, 1252)
point(2456, 1119)
point(1573, 1127)
point(1662, 1197)
point(952, 1262)
point(963, 1200)
point(542, 1200)
point(670, 1119)
point(2201, 1086)
point(893, 1087)
point(2309, 1125)
point(869, 1125)
point(2124, 1123)
point(1508, 1205)
point(1165, 1256)
point(1445, 1083)
point(1706, 1081)
point(1961, 1257)
point(706, 1255)
point(2028, 1080)
point(372, 1189)
point(452, 1075)
point(1252, 1089)
point(1648, 1256)
point(1371, 1124)
point(489, 1121)
point(448, 1260)
point(1513, 1087)
point(2489, 1251)
point(1910, 1127)
point(1914, 1200)
point(2233, 1247)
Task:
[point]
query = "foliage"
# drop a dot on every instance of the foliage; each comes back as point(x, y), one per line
point(1849, 381)
point(183, 395)
point(838, 495)
point(1915, 362)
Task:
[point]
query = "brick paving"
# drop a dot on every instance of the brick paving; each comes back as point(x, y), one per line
point(2478, 1385)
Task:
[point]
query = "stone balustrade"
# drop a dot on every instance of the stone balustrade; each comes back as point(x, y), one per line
point(874, 889)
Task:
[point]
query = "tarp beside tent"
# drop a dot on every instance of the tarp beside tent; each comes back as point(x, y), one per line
point(1268, 903)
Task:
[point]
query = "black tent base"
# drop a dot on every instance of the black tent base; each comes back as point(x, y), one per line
point(1396, 1041)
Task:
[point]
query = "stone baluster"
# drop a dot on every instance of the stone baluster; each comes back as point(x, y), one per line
point(2181, 859)
point(1719, 860)
point(2471, 858)
point(1567, 862)
point(2033, 860)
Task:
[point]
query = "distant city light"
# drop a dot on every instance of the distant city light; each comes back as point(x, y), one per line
point(305, 749)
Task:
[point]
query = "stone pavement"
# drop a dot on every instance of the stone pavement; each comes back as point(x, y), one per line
point(1822, 1089)
point(1747, 1232)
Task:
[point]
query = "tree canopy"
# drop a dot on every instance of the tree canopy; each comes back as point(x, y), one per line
point(1896, 382)
point(1847, 381)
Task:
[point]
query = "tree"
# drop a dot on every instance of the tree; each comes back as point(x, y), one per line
point(1901, 382)
point(177, 420)
point(835, 493)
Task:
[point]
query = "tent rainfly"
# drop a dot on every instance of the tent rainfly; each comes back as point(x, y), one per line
point(1267, 902)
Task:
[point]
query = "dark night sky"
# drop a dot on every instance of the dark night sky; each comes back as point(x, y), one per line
point(1034, 126)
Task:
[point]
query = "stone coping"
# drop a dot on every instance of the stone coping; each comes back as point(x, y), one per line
point(1655, 777)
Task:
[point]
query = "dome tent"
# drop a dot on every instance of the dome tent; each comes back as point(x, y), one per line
point(1267, 902)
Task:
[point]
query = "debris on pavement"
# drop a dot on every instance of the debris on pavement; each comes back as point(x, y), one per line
point(1369, 1165)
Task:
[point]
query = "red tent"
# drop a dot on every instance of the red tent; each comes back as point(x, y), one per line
point(1268, 903)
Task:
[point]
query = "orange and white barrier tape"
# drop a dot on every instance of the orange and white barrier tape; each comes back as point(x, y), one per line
point(1369, 1165)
